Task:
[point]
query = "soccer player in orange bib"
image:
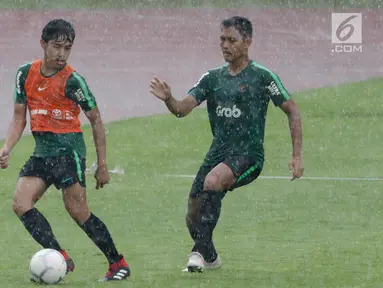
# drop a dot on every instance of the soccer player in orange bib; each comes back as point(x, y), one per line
point(54, 94)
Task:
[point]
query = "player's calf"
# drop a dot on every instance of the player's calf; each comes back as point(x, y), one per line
point(28, 190)
point(99, 234)
point(201, 229)
point(192, 215)
point(75, 203)
point(39, 228)
point(95, 228)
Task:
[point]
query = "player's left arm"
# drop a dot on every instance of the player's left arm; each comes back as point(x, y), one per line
point(295, 124)
point(282, 99)
point(78, 91)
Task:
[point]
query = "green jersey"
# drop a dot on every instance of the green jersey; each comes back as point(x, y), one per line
point(75, 89)
point(237, 107)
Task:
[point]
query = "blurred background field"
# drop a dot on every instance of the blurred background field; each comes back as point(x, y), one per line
point(273, 233)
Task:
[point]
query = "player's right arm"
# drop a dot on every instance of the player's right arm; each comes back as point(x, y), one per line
point(19, 119)
point(16, 127)
point(183, 107)
point(179, 108)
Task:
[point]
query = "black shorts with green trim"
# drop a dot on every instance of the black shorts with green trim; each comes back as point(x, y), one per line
point(245, 168)
point(61, 171)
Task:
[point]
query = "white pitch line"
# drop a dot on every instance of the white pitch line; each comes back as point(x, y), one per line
point(303, 178)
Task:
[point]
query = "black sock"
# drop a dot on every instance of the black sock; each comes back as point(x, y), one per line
point(202, 231)
point(38, 226)
point(99, 234)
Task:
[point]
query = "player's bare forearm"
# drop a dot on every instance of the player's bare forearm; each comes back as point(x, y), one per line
point(100, 142)
point(174, 106)
point(15, 131)
point(295, 125)
point(162, 90)
point(16, 127)
point(99, 137)
point(181, 108)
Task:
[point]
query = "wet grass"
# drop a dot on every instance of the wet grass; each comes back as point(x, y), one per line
point(273, 233)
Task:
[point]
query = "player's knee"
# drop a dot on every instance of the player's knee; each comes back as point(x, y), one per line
point(17, 208)
point(212, 183)
point(20, 207)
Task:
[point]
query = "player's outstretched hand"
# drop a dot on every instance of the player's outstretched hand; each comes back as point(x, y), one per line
point(102, 176)
point(4, 157)
point(160, 89)
point(296, 167)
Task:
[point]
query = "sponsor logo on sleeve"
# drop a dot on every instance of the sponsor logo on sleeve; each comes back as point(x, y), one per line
point(79, 95)
point(273, 88)
point(18, 86)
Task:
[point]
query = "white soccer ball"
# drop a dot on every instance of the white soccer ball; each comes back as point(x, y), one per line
point(47, 266)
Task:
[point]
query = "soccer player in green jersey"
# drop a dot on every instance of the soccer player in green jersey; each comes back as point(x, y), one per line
point(237, 96)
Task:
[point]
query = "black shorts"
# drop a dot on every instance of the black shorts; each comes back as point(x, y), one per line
point(245, 168)
point(61, 171)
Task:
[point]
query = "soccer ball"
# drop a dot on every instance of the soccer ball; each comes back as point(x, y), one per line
point(47, 266)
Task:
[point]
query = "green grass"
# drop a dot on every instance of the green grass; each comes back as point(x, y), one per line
point(96, 4)
point(273, 233)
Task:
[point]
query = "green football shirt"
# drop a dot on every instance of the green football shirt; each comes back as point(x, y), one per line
point(237, 108)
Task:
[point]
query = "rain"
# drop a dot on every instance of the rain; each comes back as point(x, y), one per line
point(167, 123)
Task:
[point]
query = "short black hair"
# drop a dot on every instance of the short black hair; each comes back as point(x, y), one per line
point(58, 30)
point(241, 24)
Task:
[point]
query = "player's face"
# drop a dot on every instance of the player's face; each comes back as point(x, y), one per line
point(56, 52)
point(233, 45)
